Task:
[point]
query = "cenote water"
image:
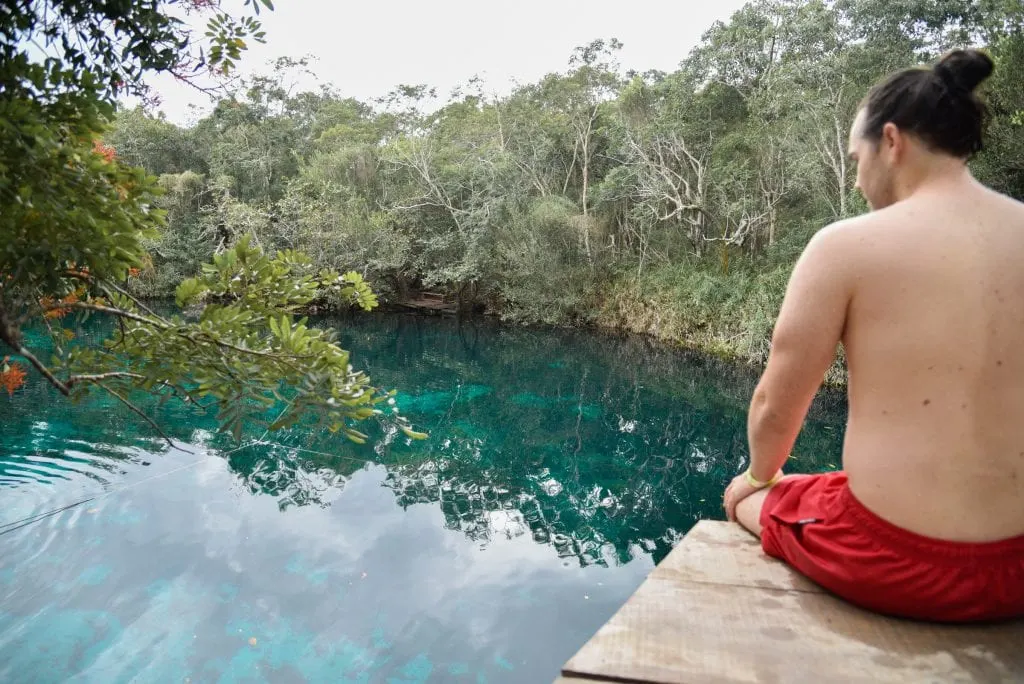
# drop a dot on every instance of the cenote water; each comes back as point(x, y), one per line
point(561, 467)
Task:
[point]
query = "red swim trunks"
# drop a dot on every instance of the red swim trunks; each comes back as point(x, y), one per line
point(816, 525)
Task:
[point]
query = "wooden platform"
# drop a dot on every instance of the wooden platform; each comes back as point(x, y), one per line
point(718, 610)
point(429, 302)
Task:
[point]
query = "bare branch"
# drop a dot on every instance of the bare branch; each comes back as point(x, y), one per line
point(99, 377)
point(134, 299)
point(410, 207)
point(140, 413)
point(86, 306)
point(43, 370)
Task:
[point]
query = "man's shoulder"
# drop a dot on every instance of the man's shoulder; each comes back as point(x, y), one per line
point(839, 237)
point(848, 248)
point(859, 234)
point(862, 225)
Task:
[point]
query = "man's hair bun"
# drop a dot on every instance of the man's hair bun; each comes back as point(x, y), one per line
point(965, 69)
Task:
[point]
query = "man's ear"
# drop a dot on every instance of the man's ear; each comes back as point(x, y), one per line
point(893, 140)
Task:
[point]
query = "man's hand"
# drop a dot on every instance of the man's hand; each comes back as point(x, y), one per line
point(738, 490)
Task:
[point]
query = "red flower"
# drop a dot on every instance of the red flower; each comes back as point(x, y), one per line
point(12, 376)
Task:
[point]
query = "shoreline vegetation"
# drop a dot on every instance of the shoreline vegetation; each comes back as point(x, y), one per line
point(668, 204)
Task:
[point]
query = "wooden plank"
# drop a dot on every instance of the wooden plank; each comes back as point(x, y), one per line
point(725, 553)
point(674, 632)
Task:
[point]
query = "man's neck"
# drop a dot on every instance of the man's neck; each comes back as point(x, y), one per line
point(933, 173)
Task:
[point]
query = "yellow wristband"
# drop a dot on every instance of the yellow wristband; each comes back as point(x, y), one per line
point(757, 484)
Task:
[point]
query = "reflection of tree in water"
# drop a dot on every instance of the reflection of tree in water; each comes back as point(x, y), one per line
point(596, 508)
point(287, 475)
point(592, 525)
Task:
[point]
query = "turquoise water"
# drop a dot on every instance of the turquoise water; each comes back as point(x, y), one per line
point(561, 467)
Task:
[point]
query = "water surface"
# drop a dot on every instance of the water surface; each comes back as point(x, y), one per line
point(561, 467)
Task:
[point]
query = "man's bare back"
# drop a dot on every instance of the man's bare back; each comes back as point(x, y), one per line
point(934, 340)
point(926, 294)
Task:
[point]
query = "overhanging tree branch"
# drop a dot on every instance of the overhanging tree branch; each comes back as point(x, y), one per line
point(135, 409)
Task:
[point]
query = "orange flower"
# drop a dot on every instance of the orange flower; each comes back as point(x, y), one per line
point(105, 151)
point(51, 310)
point(11, 376)
point(133, 272)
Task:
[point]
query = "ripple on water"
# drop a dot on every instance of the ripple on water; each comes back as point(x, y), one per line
point(39, 482)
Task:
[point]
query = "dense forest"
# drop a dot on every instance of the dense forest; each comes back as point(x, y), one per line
point(668, 203)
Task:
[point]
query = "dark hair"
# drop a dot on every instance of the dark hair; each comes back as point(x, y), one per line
point(937, 104)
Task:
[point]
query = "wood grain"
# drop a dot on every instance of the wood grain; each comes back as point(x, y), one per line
point(724, 553)
point(717, 610)
point(672, 632)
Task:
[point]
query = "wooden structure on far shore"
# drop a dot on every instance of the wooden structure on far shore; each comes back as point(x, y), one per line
point(429, 302)
point(718, 610)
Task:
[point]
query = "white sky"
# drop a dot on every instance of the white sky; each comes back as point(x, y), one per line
point(366, 48)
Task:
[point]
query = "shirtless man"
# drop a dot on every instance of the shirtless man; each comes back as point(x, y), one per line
point(926, 294)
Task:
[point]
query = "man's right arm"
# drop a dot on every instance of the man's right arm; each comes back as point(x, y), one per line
point(807, 332)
